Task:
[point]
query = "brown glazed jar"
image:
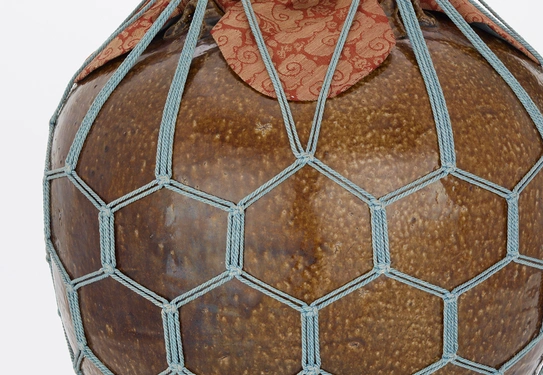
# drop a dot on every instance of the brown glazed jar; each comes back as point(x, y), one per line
point(309, 236)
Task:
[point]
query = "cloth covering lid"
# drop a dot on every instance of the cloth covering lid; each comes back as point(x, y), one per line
point(300, 36)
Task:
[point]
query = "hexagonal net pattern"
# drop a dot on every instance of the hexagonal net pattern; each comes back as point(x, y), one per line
point(305, 156)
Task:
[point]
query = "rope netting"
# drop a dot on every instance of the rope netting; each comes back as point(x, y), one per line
point(234, 248)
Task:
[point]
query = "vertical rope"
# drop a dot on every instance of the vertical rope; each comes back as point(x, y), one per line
point(433, 87)
point(113, 82)
point(79, 361)
point(96, 362)
point(290, 125)
point(77, 321)
point(46, 209)
point(173, 101)
point(234, 241)
point(323, 95)
point(311, 360)
point(512, 226)
point(450, 327)
point(379, 235)
point(107, 240)
point(172, 336)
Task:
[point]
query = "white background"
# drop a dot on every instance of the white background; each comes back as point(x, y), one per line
point(43, 44)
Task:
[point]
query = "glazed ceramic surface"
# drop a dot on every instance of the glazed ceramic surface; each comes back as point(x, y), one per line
point(308, 236)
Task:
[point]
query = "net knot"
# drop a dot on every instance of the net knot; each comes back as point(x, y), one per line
point(237, 210)
point(513, 196)
point(234, 270)
point(376, 205)
point(68, 169)
point(448, 168)
point(450, 298)
point(105, 211)
point(382, 268)
point(163, 179)
point(177, 367)
point(513, 255)
point(312, 370)
point(306, 157)
point(169, 308)
point(108, 269)
point(310, 311)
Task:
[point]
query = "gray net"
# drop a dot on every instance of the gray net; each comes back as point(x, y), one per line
point(305, 156)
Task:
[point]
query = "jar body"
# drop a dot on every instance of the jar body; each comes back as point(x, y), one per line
point(308, 236)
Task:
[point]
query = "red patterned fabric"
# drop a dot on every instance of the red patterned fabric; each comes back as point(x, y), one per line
point(130, 36)
point(300, 36)
point(472, 15)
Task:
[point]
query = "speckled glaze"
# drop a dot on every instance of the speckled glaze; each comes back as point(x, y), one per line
point(308, 236)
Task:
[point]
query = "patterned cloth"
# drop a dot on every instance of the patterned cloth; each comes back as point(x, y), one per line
point(300, 36)
point(130, 36)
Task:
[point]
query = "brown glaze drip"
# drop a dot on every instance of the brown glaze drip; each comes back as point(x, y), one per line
point(229, 140)
point(310, 221)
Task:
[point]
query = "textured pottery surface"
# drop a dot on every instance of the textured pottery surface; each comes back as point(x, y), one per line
point(308, 236)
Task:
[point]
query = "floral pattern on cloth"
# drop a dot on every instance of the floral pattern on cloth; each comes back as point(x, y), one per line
point(300, 36)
